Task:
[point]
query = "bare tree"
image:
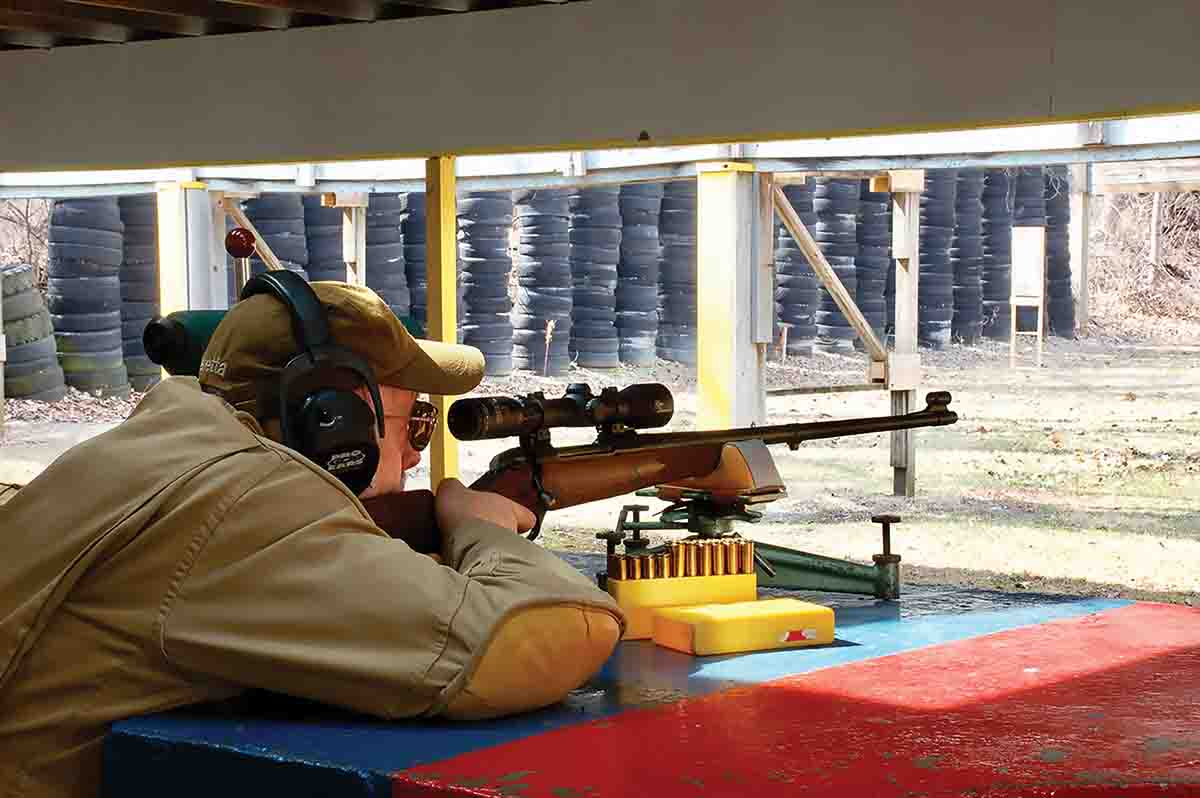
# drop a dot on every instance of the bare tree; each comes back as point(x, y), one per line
point(24, 228)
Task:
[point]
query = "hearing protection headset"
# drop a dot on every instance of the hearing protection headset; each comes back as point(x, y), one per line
point(330, 426)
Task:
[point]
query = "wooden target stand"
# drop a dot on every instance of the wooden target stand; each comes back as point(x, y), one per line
point(1028, 287)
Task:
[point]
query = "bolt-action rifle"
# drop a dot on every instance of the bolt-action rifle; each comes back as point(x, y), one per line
point(622, 459)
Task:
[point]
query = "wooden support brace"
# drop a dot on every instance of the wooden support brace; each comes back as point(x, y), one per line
point(441, 259)
point(829, 278)
point(899, 181)
point(1028, 285)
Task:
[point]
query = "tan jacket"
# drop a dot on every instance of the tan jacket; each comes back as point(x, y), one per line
point(183, 557)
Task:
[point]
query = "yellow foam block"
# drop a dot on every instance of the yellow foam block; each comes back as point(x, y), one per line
point(745, 626)
point(640, 597)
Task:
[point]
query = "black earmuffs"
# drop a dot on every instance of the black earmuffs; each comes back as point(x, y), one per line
point(330, 426)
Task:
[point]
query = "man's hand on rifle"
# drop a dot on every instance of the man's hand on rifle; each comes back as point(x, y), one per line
point(457, 504)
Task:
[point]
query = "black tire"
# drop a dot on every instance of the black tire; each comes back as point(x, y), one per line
point(86, 322)
point(112, 382)
point(103, 360)
point(85, 237)
point(104, 256)
point(141, 365)
point(27, 329)
point(16, 279)
point(97, 214)
point(138, 291)
point(70, 295)
point(98, 341)
point(48, 378)
point(41, 349)
point(289, 247)
point(139, 310)
point(23, 305)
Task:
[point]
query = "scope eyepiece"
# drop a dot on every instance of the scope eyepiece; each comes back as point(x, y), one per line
point(638, 406)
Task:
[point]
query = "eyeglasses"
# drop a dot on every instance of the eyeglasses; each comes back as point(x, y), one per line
point(421, 424)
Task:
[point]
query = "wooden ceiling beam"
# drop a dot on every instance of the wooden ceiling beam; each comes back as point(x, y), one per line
point(29, 15)
point(137, 20)
point(357, 10)
point(242, 16)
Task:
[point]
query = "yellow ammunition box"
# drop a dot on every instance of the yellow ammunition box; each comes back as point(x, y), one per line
point(730, 628)
point(639, 597)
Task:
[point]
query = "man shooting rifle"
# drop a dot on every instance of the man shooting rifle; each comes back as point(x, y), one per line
point(218, 540)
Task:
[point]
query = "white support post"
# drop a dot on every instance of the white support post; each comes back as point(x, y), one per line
point(731, 366)
point(218, 258)
point(187, 275)
point(354, 232)
point(906, 225)
point(1080, 230)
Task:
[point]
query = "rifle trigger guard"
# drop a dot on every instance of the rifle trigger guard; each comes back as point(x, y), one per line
point(545, 499)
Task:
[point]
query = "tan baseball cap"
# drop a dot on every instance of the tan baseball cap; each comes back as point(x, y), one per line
point(255, 340)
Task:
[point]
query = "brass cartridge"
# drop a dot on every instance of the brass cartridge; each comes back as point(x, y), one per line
point(616, 567)
point(678, 558)
point(718, 563)
point(660, 566)
point(692, 566)
point(706, 558)
point(646, 565)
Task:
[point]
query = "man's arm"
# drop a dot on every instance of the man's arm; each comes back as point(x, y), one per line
point(298, 592)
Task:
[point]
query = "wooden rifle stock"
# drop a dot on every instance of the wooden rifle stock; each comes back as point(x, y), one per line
point(541, 477)
point(410, 516)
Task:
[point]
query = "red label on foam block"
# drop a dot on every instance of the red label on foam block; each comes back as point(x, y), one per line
point(795, 635)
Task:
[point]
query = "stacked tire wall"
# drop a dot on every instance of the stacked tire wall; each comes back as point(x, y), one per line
point(966, 256)
point(139, 286)
point(595, 252)
point(484, 221)
point(1060, 304)
point(796, 294)
point(836, 203)
point(874, 257)
point(676, 337)
point(323, 240)
point(997, 254)
point(86, 250)
point(31, 370)
point(541, 315)
point(637, 287)
point(412, 227)
point(386, 273)
point(935, 287)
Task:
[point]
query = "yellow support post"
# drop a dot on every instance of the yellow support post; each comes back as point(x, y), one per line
point(441, 256)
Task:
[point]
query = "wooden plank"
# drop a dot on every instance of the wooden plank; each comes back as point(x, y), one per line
point(906, 221)
point(260, 245)
point(345, 199)
point(763, 286)
point(897, 181)
point(828, 276)
point(354, 243)
point(441, 258)
point(801, 390)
